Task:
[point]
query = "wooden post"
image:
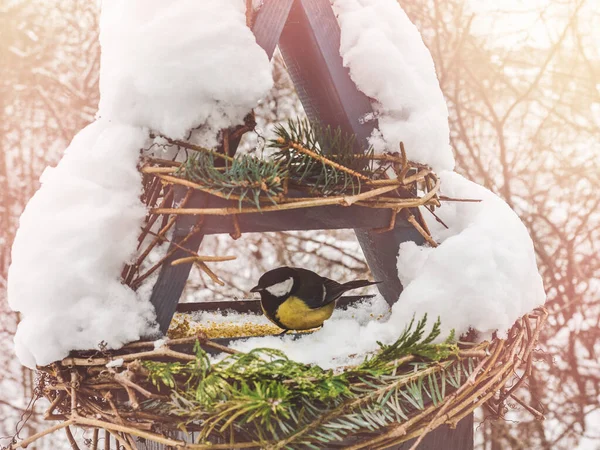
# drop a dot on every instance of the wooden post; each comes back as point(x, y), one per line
point(310, 45)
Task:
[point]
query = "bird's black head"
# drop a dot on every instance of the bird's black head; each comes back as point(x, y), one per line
point(278, 282)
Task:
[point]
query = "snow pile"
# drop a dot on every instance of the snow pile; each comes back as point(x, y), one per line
point(168, 67)
point(389, 62)
point(482, 275)
point(74, 236)
point(175, 65)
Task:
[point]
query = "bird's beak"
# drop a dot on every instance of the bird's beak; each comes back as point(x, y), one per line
point(256, 289)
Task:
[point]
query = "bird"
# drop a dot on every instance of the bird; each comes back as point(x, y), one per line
point(300, 299)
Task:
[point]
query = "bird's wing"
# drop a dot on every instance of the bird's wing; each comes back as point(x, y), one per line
point(312, 289)
point(333, 290)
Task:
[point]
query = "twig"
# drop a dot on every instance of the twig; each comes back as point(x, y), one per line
point(203, 259)
point(421, 231)
point(213, 276)
point(25, 442)
point(71, 439)
point(299, 148)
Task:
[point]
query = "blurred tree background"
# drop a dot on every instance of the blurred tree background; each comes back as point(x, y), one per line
point(522, 81)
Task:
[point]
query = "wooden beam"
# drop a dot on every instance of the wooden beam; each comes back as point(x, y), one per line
point(310, 45)
point(269, 22)
point(332, 217)
point(253, 306)
point(171, 279)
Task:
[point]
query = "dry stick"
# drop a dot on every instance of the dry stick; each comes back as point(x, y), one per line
point(237, 233)
point(153, 169)
point(407, 203)
point(304, 203)
point(422, 221)
point(298, 147)
point(421, 231)
point(466, 200)
point(108, 397)
point(191, 184)
point(73, 393)
point(106, 439)
point(121, 441)
point(152, 218)
point(160, 352)
point(203, 259)
point(213, 276)
point(534, 412)
point(160, 439)
point(71, 439)
point(159, 237)
point(187, 340)
point(128, 383)
point(532, 342)
point(95, 439)
point(196, 148)
point(25, 442)
point(135, 283)
point(50, 411)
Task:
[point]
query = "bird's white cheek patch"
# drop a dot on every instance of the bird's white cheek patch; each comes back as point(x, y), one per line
point(282, 288)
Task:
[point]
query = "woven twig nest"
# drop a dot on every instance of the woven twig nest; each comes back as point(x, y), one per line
point(262, 399)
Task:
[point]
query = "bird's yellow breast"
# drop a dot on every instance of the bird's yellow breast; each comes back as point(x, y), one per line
point(296, 315)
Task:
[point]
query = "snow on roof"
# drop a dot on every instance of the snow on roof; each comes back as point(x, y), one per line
point(166, 66)
point(173, 66)
point(389, 62)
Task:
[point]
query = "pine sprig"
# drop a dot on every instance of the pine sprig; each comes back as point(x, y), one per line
point(328, 166)
point(270, 398)
point(330, 143)
point(412, 342)
point(246, 177)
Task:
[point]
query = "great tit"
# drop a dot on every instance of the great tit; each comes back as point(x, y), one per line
point(299, 299)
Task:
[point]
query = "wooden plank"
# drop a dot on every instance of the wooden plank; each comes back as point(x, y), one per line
point(253, 306)
point(310, 47)
point(269, 22)
point(329, 96)
point(331, 217)
point(171, 279)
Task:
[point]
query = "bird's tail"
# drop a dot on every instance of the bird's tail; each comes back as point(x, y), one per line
point(358, 284)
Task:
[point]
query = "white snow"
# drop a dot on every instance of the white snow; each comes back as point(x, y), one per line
point(168, 67)
point(173, 66)
point(482, 275)
point(115, 363)
point(74, 236)
point(160, 343)
point(389, 62)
